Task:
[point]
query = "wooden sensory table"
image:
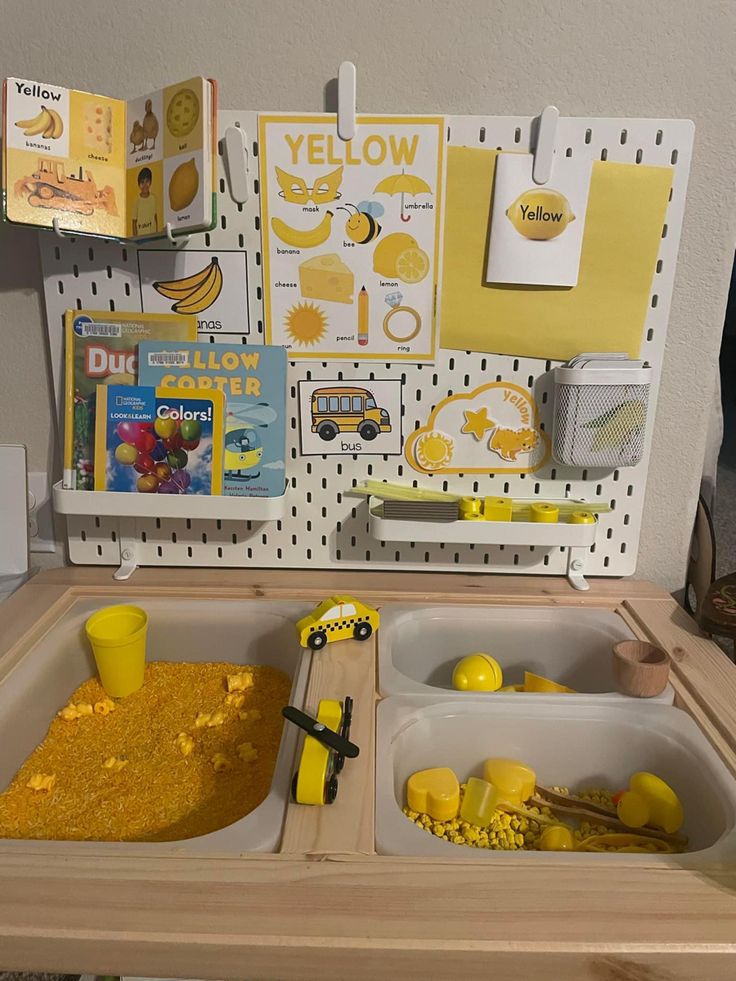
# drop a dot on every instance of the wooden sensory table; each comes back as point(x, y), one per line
point(326, 907)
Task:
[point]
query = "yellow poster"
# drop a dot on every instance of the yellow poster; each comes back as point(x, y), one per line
point(351, 235)
point(606, 311)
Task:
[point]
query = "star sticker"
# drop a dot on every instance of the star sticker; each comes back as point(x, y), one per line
point(477, 423)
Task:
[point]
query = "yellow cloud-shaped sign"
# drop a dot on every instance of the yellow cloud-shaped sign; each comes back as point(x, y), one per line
point(493, 429)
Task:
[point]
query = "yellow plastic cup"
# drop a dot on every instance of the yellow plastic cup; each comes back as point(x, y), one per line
point(117, 635)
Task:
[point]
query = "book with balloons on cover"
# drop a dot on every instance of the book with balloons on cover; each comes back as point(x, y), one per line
point(158, 440)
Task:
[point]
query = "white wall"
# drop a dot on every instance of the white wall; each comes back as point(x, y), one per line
point(629, 58)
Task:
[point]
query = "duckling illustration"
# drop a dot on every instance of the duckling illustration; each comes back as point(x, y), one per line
point(137, 137)
point(508, 443)
point(150, 127)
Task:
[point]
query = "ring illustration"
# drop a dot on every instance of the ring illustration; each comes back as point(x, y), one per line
point(412, 334)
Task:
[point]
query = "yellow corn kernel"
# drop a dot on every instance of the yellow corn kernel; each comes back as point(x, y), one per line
point(216, 719)
point(247, 752)
point(184, 743)
point(240, 682)
point(202, 720)
point(104, 707)
point(252, 715)
point(236, 699)
point(115, 764)
point(42, 781)
point(220, 763)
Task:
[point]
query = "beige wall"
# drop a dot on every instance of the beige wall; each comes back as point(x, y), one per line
point(650, 58)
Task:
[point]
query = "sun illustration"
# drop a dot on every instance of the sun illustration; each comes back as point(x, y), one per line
point(433, 450)
point(306, 323)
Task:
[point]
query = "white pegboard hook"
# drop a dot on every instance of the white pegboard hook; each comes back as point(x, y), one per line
point(58, 230)
point(346, 87)
point(544, 151)
point(175, 239)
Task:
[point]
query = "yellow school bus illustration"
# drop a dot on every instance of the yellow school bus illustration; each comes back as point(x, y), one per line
point(347, 410)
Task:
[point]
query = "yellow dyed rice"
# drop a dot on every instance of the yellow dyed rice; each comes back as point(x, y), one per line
point(159, 794)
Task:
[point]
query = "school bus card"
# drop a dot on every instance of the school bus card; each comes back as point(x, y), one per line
point(350, 417)
point(351, 235)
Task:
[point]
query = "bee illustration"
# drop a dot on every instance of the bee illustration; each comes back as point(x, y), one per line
point(360, 227)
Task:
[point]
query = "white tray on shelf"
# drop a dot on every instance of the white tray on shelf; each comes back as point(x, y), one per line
point(115, 504)
point(132, 514)
point(576, 538)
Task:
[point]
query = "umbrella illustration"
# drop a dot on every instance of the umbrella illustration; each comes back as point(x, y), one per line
point(402, 184)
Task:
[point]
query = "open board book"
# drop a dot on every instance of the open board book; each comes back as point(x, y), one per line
point(102, 166)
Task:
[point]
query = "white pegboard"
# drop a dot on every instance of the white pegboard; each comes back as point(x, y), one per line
point(321, 527)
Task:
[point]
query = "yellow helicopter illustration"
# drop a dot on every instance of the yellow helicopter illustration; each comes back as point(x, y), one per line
point(243, 444)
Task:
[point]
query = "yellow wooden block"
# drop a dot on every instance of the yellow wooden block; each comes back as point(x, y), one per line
point(497, 509)
point(435, 792)
point(544, 513)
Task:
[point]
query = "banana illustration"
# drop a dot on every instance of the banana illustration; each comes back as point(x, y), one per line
point(56, 128)
point(303, 240)
point(194, 293)
point(48, 123)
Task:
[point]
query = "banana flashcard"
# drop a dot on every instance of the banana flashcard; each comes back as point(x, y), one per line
point(210, 285)
point(536, 233)
point(493, 429)
point(345, 225)
point(103, 166)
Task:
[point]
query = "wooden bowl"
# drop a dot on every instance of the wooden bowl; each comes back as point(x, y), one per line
point(640, 668)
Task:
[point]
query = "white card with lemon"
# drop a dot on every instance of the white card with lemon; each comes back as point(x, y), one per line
point(536, 231)
point(351, 235)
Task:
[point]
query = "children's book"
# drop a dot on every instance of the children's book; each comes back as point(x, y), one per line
point(158, 440)
point(253, 380)
point(101, 166)
point(101, 347)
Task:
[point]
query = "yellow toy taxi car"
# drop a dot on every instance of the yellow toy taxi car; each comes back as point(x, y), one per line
point(337, 618)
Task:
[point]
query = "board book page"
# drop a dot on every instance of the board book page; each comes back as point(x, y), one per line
point(103, 166)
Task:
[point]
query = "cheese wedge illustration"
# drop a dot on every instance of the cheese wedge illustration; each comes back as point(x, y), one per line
point(326, 277)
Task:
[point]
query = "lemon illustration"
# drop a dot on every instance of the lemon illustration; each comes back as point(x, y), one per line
point(540, 214)
point(183, 185)
point(388, 250)
point(412, 265)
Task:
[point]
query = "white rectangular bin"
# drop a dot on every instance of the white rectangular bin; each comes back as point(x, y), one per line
point(243, 632)
point(418, 647)
point(593, 745)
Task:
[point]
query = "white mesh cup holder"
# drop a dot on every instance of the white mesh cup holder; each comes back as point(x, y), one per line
point(601, 406)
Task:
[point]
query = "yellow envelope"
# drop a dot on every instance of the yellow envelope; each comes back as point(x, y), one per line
point(606, 311)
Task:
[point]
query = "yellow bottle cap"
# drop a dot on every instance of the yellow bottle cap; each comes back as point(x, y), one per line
point(546, 513)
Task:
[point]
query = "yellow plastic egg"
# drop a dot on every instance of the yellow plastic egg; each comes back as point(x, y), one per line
point(557, 838)
point(633, 810)
point(477, 672)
